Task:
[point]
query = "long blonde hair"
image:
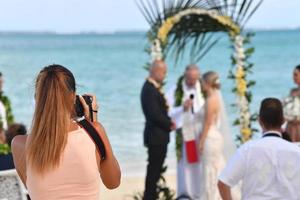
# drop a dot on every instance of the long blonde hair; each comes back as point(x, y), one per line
point(54, 97)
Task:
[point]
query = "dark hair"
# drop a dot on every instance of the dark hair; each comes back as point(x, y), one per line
point(14, 130)
point(51, 72)
point(297, 67)
point(271, 113)
point(0, 74)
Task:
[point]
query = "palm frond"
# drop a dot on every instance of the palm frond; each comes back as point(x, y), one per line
point(193, 32)
point(207, 49)
point(251, 13)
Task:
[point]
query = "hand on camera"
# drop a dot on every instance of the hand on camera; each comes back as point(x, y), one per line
point(86, 107)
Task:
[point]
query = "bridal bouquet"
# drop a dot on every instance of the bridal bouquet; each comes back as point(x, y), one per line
point(291, 108)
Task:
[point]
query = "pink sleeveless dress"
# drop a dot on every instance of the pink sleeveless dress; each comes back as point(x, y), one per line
point(76, 178)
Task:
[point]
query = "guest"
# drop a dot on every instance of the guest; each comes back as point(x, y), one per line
point(158, 126)
point(58, 160)
point(292, 108)
point(267, 167)
point(13, 130)
point(6, 116)
point(186, 100)
point(286, 136)
point(2, 136)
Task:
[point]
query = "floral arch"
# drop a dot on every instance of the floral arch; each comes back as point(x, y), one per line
point(177, 25)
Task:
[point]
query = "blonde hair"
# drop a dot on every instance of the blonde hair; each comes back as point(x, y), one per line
point(54, 97)
point(212, 79)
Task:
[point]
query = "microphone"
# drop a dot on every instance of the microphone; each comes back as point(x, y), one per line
point(192, 97)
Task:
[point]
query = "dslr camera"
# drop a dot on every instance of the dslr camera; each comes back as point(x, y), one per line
point(79, 108)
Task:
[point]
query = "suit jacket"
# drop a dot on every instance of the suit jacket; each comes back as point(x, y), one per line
point(158, 123)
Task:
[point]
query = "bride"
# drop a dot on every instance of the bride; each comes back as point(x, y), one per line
point(215, 143)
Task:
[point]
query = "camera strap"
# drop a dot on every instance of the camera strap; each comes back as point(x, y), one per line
point(94, 135)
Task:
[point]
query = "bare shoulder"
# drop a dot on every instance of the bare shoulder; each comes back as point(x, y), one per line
point(99, 126)
point(212, 101)
point(18, 144)
point(19, 154)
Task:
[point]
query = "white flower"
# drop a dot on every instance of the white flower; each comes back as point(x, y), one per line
point(156, 51)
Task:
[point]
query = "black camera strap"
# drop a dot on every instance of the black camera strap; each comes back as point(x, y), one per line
point(94, 135)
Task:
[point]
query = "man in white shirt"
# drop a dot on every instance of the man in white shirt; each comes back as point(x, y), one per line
point(268, 167)
point(3, 122)
point(3, 117)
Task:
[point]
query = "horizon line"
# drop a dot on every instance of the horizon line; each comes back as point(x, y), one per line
point(32, 32)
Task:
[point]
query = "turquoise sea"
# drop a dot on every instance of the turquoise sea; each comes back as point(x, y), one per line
point(111, 67)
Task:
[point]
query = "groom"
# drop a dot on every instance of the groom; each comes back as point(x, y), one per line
point(158, 126)
point(186, 100)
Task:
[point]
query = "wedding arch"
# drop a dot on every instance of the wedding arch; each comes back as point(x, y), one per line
point(178, 25)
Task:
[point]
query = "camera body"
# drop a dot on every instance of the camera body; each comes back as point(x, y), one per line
point(79, 108)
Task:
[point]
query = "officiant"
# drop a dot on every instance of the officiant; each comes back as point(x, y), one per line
point(186, 101)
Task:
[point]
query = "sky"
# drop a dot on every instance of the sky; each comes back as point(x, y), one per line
point(74, 16)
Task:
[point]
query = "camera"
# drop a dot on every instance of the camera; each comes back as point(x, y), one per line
point(79, 108)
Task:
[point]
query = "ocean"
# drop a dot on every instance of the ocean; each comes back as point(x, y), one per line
point(111, 66)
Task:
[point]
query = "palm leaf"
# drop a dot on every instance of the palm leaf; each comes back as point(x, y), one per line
point(251, 13)
point(241, 9)
point(243, 15)
point(191, 34)
point(207, 49)
point(144, 12)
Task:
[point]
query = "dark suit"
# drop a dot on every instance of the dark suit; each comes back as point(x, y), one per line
point(156, 135)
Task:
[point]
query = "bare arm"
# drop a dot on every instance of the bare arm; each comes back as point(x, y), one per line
point(224, 191)
point(19, 156)
point(2, 136)
point(109, 167)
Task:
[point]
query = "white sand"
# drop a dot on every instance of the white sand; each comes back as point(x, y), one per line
point(129, 186)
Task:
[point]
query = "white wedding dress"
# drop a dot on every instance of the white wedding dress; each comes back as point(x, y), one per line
point(217, 149)
point(212, 161)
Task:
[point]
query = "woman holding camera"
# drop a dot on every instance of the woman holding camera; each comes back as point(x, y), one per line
point(59, 160)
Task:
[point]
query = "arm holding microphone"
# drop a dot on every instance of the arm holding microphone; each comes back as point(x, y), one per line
point(192, 106)
point(188, 104)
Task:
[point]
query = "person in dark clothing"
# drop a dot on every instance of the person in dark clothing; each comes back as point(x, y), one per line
point(157, 128)
point(13, 130)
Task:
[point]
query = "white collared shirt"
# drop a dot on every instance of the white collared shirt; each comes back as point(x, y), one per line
point(3, 116)
point(269, 168)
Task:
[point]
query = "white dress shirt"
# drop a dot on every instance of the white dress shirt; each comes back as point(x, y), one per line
point(269, 168)
point(3, 116)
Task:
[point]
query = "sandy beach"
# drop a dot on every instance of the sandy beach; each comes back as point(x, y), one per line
point(130, 186)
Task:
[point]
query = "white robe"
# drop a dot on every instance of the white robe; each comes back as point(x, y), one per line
point(188, 175)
